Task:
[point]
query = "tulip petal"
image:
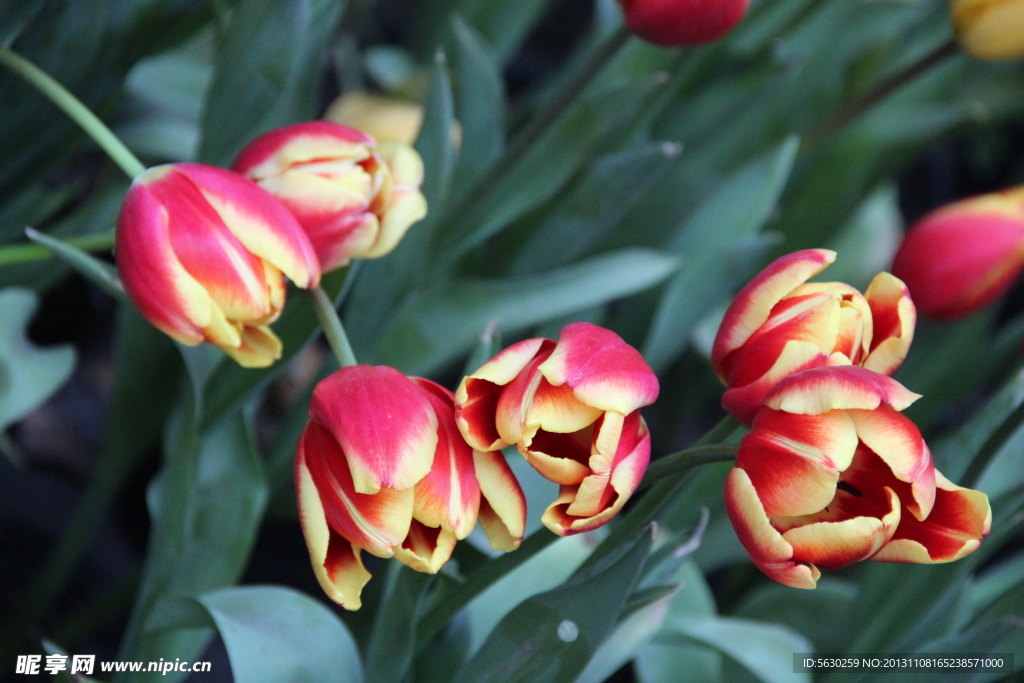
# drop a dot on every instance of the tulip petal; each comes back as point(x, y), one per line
point(259, 347)
point(754, 303)
point(833, 545)
point(449, 496)
point(820, 390)
point(602, 370)
point(476, 399)
point(894, 318)
point(744, 402)
point(274, 151)
point(375, 522)
point(556, 409)
point(514, 402)
point(336, 562)
point(258, 221)
point(898, 442)
point(503, 504)
point(959, 521)
point(383, 422)
point(794, 461)
point(769, 551)
point(561, 458)
point(156, 282)
point(426, 549)
point(600, 497)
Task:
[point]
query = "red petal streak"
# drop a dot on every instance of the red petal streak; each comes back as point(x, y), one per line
point(820, 390)
point(772, 554)
point(754, 303)
point(376, 522)
point(602, 370)
point(894, 317)
point(383, 422)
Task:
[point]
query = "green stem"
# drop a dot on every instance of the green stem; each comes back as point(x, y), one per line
point(74, 108)
point(880, 91)
point(331, 324)
point(684, 461)
point(26, 253)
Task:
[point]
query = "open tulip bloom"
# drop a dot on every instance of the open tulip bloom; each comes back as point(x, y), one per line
point(382, 467)
point(780, 324)
point(572, 409)
point(354, 197)
point(831, 474)
point(202, 252)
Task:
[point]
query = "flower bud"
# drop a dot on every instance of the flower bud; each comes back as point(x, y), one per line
point(572, 409)
point(383, 117)
point(381, 467)
point(201, 252)
point(780, 324)
point(355, 198)
point(682, 22)
point(831, 474)
point(964, 256)
point(990, 29)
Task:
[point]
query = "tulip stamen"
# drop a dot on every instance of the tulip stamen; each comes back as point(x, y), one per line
point(849, 488)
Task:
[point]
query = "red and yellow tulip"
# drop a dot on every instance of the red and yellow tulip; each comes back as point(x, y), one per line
point(202, 253)
point(573, 411)
point(381, 467)
point(780, 324)
point(831, 474)
point(354, 197)
point(964, 256)
point(682, 22)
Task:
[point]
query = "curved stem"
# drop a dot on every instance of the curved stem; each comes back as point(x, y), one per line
point(331, 324)
point(684, 461)
point(880, 91)
point(26, 253)
point(74, 108)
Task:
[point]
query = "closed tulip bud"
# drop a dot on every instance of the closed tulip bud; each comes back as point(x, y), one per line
point(202, 252)
point(355, 198)
point(964, 256)
point(990, 29)
point(381, 467)
point(831, 474)
point(682, 22)
point(383, 117)
point(780, 324)
point(572, 409)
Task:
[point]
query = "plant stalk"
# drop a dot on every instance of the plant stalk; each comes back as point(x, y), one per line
point(331, 324)
point(74, 108)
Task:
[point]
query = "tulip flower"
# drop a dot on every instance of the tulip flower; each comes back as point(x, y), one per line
point(780, 324)
point(383, 117)
point(831, 474)
point(355, 198)
point(682, 22)
point(990, 29)
point(572, 409)
point(381, 467)
point(202, 252)
point(964, 256)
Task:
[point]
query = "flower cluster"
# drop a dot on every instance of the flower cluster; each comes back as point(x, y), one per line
point(203, 252)
point(831, 472)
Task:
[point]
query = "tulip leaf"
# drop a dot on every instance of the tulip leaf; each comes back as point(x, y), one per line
point(434, 328)
point(552, 636)
point(206, 506)
point(98, 272)
point(593, 207)
point(272, 634)
point(625, 640)
point(822, 616)
point(392, 642)
point(481, 106)
point(29, 375)
point(547, 166)
point(720, 249)
point(434, 142)
point(279, 47)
